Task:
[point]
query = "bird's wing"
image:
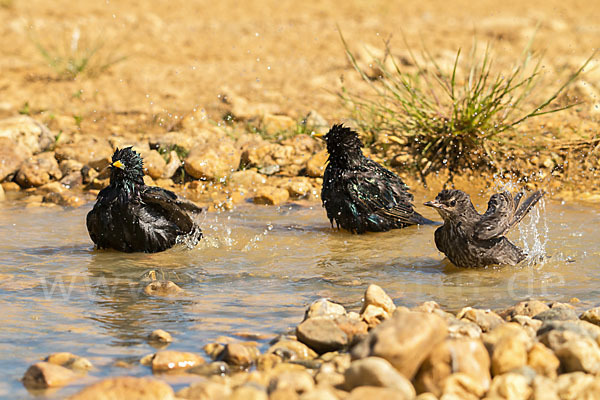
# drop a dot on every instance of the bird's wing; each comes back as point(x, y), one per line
point(381, 193)
point(176, 210)
point(498, 217)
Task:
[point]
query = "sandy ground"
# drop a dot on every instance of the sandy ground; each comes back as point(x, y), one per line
point(182, 55)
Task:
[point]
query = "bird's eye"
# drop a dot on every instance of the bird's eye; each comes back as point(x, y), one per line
point(452, 203)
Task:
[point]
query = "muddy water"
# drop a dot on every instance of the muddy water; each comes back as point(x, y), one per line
point(256, 270)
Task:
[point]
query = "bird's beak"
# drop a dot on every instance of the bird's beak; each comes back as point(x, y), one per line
point(433, 204)
point(318, 135)
point(118, 164)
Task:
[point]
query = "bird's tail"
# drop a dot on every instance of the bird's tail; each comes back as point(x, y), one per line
point(526, 206)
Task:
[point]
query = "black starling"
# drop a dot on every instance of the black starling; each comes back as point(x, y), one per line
point(130, 216)
point(359, 194)
point(470, 239)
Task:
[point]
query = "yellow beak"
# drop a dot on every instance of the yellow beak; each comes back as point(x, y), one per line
point(118, 164)
point(318, 135)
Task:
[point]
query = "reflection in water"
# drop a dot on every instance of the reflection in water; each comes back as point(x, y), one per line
point(255, 270)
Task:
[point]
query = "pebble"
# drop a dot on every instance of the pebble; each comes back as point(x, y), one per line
point(375, 295)
point(271, 195)
point(376, 371)
point(557, 314)
point(485, 319)
point(315, 166)
point(213, 161)
point(12, 156)
point(27, 132)
point(321, 334)
point(529, 308)
point(324, 308)
point(126, 388)
point(374, 392)
point(239, 354)
point(69, 360)
point(44, 375)
point(38, 170)
point(162, 289)
point(510, 386)
point(298, 381)
point(405, 340)
point(207, 390)
point(543, 361)
point(160, 336)
point(592, 316)
point(171, 360)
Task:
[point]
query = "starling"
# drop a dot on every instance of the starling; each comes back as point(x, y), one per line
point(359, 194)
point(470, 239)
point(132, 217)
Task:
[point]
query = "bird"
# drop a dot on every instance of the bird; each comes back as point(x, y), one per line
point(130, 216)
point(469, 239)
point(360, 195)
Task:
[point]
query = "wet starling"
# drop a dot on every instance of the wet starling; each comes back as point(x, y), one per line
point(130, 216)
point(470, 239)
point(359, 194)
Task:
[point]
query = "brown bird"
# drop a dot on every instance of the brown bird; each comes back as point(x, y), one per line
point(470, 239)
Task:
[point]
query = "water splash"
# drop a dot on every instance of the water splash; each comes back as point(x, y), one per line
point(533, 231)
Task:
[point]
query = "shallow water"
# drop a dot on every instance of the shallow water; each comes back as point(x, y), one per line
point(255, 271)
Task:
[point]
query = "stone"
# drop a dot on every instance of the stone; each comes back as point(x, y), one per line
point(69, 360)
point(163, 289)
point(172, 166)
point(374, 392)
point(557, 314)
point(70, 166)
point(529, 308)
point(10, 186)
point(44, 375)
point(2, 195)
point(239, 354)
point(248, 392)
point(38, 170)
point(404, 340)
point(462, 386)
point(247, 178)
point(72, 180)
point(298, 381)
point(374, 315)
point(463, 329)
point(214, 161)
point(314, 122)
point(324, 308)
point(454, 355)
point(206, 390)
point(319, 394)
point(154, 164)
point(171, 360)
point(486, 319)
point(580, 327)
point(578, 354)
point(592, 315)
point(321, 334)
point(271, 195)
point(353, 327)
point(27, 132)
point(508, 345)
point(544, 388)
point(530, 325)
point(160, 336)
point(126, 388)
point(510, 386)
point(292, 350)
point(274, 124)
point(88, 150)
point(214, 368)
point(297, 187)
point(315, 166)
point(375, 371)
point(543, 361)
point(376, 296)
point(12, 156)
point(578, 385)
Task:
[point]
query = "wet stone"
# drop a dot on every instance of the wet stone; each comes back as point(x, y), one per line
point(126, 388)
point(69, 360)
point(170, 360)
point(154, 164)
point(557, 314)
point(375, 371)
point(239, 354)
point(373, 392)
point(162, 289)
point(44, 375)
point(321, 334)
point(213, 368)
point(271, 195)
point(160, 336)
point(292, 350)
point(315, 166)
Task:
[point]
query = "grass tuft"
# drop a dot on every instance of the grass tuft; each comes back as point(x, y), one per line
point(76, 56)
point(446, 119)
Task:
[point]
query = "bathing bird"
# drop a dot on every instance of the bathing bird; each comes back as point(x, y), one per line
point(359, 194)
point(130, 216)
point(470, 239)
